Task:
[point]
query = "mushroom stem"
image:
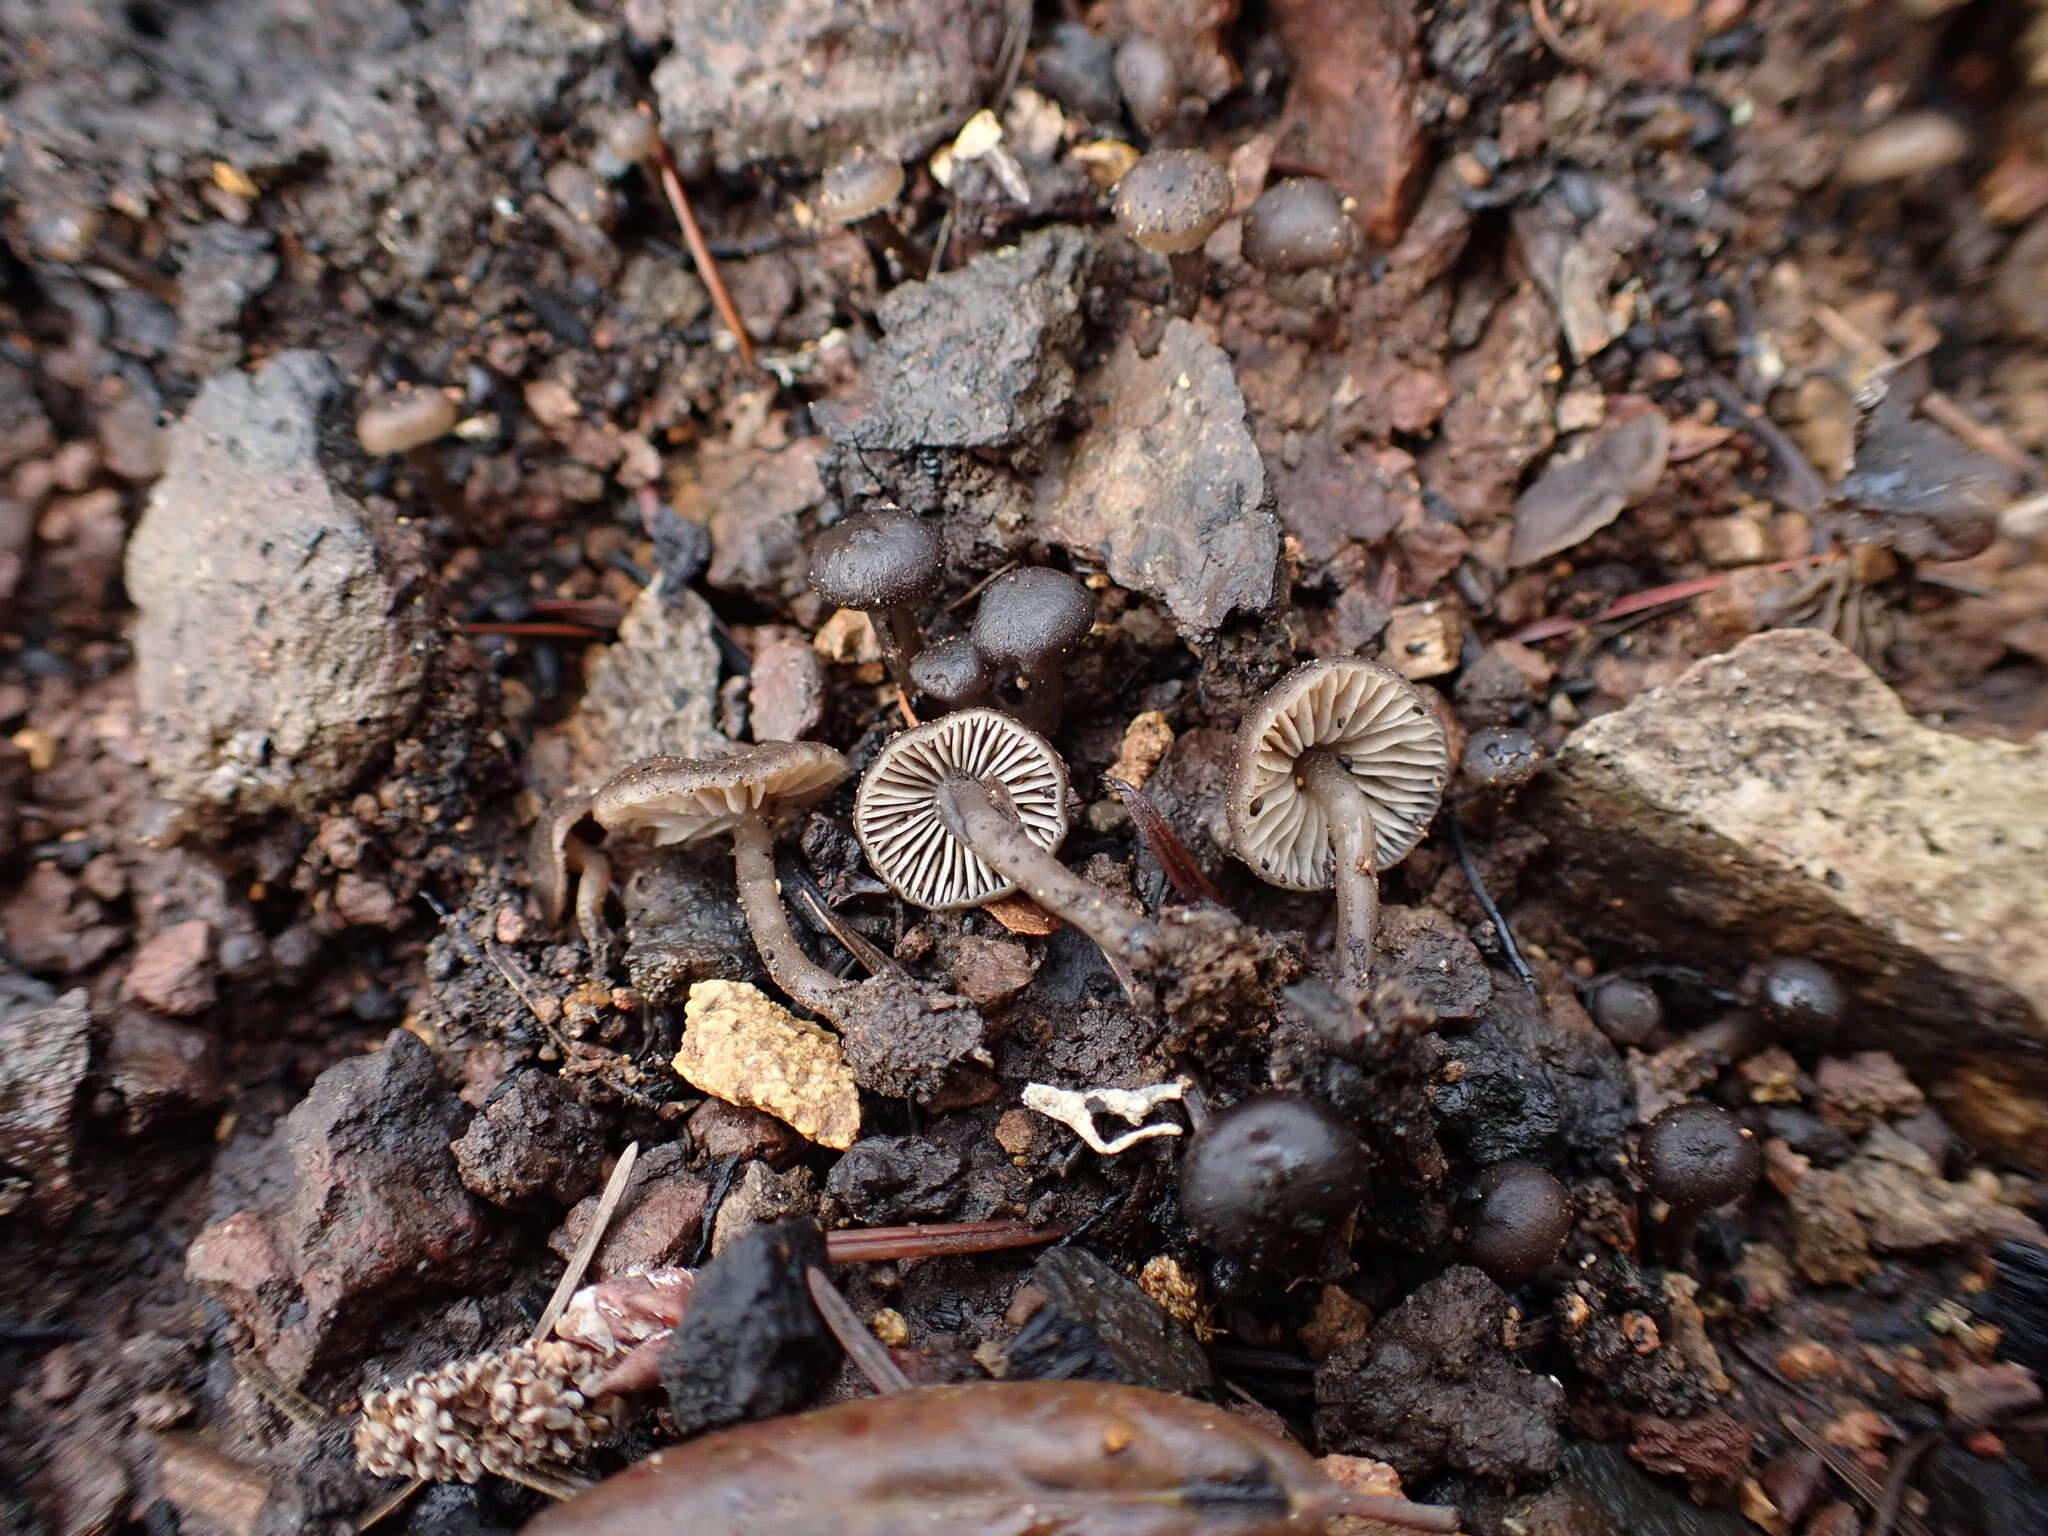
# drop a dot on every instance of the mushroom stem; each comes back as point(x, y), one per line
point(1337, 796)
point(1118, 928)
point(1190, 271)
point(802, 979)
point(916, 260)
point(896, 634)
point(1042, 698)
point(593, 885)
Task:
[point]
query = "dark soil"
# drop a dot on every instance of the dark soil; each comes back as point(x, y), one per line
point(298, 1092)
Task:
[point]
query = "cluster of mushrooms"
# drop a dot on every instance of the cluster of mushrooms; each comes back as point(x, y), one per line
point(1339, 771)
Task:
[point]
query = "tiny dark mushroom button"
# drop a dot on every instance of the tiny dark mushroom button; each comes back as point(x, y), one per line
point(1338, 772)
point(953, 674)
point(1170, 203)
point(884, 563)
point(1628, 1012)
point(857, 191)
point(1148, 80)
point(1523, 1217)
point(1695, 1159)
point(1802, 1000)
point(1267, 1181)
point(1297, 225)
point(1030, 621)
point(677, 800)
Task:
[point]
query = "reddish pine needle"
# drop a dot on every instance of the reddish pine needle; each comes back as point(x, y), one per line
point(700, 253)
point(1675, 592)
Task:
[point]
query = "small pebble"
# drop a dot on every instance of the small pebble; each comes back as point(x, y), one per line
point(407, 418)
point(1908, 145)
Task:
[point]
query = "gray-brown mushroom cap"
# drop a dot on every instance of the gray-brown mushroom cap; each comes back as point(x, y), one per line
point(1377, 725)
point(896, 813)
point(1172, 200)
point(1297, 224)
point(861, 182)
point(683, 799)
point(887, 558)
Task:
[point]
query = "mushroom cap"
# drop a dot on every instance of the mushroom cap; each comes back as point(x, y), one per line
point(1297, 224)
point(1172, 200)
point(1148, 79)
point(887, 558)
point(1523, 1218)
point(1031, 616)
point(896, 813)
point(860, 182)
point(1696, 1157)
point(1627, 1011)
point(1802, 998)
point(686, 799)
point(1378, 726)
point(952, 671)
point(1271, 1177)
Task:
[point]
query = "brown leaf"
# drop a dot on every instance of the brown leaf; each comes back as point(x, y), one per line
point(1573, 500)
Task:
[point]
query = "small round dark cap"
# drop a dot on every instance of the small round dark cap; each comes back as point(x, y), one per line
point(1802, 998)
point(1149, 80)
point(887, 558)
point(1033, 616)
point(952, 672)
point(1695, 1157)
point(1172, 200)
point(1628, 1012)
point(1268, 1179)
point(1501, 757)
point(1297, 224)
point(1524, 1216)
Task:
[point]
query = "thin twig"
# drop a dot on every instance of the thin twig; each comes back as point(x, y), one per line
point(554, 1485)
point(1986, 438)
point(1803, 487)
point(1891, 1502)
point(1656, 597)
point(538, 629)
point(862, 1244)
point(728, 1173)
point(1493, 913)
point(586, 1248)
point(1858, 1482)
point(693, 237)
point(861, 1346)
point(1165, 843)
point(390, 1506)
point(849, 939)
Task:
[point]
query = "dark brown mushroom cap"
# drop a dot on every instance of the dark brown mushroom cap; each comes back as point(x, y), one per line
point(1297, 224)
point(1501, 757)
point(1148, 79)
point(1172, 200)
point(1523, 1218)
point(896, 813)
point(1376, 723)
point(549, 861)
point(1033, 616)
point(1802, 998)
point(887, 558)
point(685, 799)
point(860, 182)
point(1696, 1157)
point(952, 672)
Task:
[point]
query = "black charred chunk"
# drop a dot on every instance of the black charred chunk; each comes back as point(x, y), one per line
point(1096, 1325)
point(752, 1344)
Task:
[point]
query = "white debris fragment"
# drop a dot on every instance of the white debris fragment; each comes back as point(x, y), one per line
point(1077, 1109)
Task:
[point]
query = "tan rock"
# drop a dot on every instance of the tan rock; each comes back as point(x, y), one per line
point(742, 1046)
point(1779, 799)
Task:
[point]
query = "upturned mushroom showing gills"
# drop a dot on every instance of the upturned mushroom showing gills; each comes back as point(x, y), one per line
point(1338, 772)
point(884, 563)
point(676, 800)
point(972, 806)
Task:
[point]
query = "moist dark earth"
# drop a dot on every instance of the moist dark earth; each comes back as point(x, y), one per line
point(1673, 424)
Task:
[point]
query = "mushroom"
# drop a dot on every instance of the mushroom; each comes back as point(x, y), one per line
point(1523, 1218)
point(558, 858)
point(1628, 1011)
point(1338, 773)
point(1297, 225)
point(1030, 620)
point(953, 674)
point(1170, 203)
point(883, 563)
point(1149, 81)
point(1801, 999)
point(970, 807)
point(677, 800)
point(1695, 1158)
point(857, 190)
point(1267, 1180)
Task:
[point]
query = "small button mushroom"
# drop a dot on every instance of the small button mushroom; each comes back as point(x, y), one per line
point(1149, 81)
point(884, 563)
point(953, 674)
point(626, 138)
point(1030, 621)
point(1267, 1181)
point(1339, 770)
point(1695, 1158)
point(856, 192)
point(408, 417)
point(1801, 999)
point(1523, 1218)
point(1298, 227)
point(676, 800)
point(1170, 203)
point(1627, 1011)
point(1500, 758)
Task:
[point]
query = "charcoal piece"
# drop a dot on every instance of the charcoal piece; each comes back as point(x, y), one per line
point(2018, 1304)
point(753, 1344)
point(1096, 1325)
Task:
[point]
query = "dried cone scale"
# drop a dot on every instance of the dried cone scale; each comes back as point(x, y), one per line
point(1338, 773)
